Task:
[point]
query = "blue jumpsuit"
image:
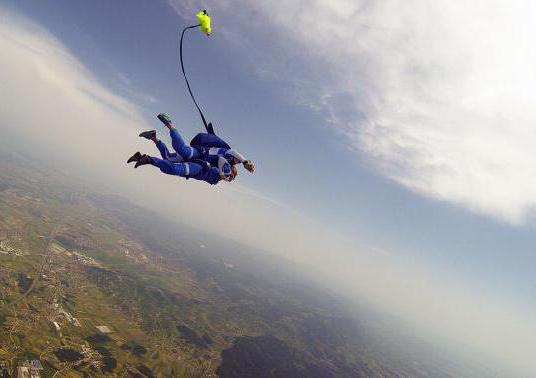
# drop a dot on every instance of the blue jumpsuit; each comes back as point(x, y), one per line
point(179, 164)
point(166, 155)
point(195, 151)
point(188, 169)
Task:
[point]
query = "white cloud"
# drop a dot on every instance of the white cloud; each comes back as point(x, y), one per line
point(441, 96)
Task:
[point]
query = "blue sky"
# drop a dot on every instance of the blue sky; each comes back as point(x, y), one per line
point(302, 163)
point(250, 82)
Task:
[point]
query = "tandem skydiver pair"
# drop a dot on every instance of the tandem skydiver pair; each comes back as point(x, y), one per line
point(208, 158)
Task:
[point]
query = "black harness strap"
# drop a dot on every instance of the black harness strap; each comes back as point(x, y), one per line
point(208, 126)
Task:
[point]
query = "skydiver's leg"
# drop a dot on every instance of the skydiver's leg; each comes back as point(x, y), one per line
point(164, 152)
point(176, 169)
point(181, 147)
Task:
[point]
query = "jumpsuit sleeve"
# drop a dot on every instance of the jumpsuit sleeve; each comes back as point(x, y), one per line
point(223, 166)
point(234, 155)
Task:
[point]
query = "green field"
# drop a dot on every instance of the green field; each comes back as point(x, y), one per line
point(81, 260)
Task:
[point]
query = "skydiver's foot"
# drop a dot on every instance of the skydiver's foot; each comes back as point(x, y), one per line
point(151, 134)
point(143, 160)
point(134, 157)
point(165, 119)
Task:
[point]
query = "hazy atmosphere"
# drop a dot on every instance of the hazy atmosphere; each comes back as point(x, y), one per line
point(393, 142)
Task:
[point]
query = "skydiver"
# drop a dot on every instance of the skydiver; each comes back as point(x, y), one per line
point(196, 169)
point(185, 162)
point(185, 152)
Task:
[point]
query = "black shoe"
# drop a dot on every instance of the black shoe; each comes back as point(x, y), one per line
point(134, 157)
point(143, 160)
point(148, 134)
point(164, 119)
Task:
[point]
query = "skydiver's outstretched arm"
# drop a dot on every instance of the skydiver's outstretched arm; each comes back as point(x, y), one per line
point(224, 168)
point(233, 157)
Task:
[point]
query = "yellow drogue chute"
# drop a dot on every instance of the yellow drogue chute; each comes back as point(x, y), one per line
point(204, 21)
